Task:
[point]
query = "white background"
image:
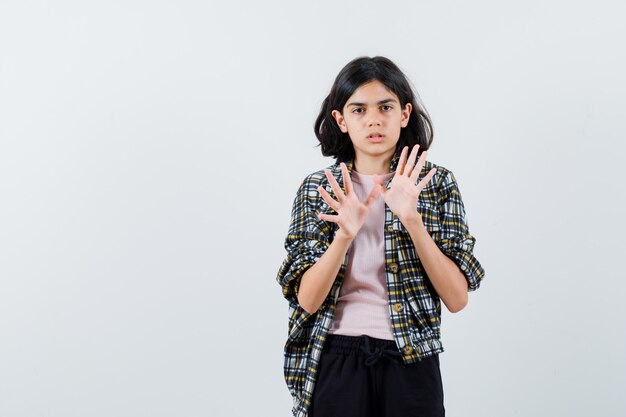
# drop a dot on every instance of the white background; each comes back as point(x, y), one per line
point(150, 152)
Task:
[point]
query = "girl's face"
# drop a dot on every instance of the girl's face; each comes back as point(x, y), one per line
point(373, 118)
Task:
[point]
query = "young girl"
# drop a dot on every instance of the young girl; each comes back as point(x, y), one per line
point(376, 241)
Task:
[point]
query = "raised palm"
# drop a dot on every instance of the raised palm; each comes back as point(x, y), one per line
point(351, 213)
point(403, 194)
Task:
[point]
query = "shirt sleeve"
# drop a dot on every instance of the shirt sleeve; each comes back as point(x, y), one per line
point(454, 238)
point(307, 240)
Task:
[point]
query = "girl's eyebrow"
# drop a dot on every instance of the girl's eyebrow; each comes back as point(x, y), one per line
point(387, 100)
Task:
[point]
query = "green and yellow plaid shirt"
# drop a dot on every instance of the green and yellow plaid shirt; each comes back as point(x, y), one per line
point(414, 306)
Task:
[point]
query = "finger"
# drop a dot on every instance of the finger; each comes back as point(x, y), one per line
point(402, 160)
point(347, 181)
point(426, 178)
point(382, 189)
point(328, 217)
point(377, 180)
point(334, 185)
point(418, 167)
point(410, 163)
point(372, 195)
point(328, 199)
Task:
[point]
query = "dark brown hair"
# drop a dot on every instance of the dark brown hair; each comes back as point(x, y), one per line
point(357, 72)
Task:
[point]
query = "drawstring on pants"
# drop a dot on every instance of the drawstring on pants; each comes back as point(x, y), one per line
point(377, 352)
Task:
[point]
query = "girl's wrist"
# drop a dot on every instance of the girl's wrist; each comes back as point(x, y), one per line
point(343, 236)
point(412, 219)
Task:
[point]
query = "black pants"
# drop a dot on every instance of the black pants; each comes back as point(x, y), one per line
point(365, 377)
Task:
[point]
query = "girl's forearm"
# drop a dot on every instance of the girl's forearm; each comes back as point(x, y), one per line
point(446, 277)
point(318, 279)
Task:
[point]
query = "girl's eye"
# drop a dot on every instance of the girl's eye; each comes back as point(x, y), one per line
point(387, 108)
point(357, 110)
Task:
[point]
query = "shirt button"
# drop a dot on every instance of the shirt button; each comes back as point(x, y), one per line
point(398, 307)
point(390, 228)
point(393, 267)
point(408, 349)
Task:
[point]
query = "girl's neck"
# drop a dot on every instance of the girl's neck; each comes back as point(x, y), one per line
point(367, 165)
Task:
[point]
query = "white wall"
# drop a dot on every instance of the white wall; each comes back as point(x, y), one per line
point(144, 198)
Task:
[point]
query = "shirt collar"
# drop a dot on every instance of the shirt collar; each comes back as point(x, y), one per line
point(336, 168)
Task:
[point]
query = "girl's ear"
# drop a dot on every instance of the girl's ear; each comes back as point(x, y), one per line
point(406, 112)
point(340, 120)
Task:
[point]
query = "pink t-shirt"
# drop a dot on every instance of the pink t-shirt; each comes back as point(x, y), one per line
point(362, 305)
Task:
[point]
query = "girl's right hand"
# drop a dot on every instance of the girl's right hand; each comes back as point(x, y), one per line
point(351, 213)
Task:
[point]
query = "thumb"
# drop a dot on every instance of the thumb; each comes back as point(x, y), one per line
point(380, 184)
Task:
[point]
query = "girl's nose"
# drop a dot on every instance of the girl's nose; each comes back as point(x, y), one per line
point(374, 122)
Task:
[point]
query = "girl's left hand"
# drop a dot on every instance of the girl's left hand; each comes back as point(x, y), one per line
point(403, 194)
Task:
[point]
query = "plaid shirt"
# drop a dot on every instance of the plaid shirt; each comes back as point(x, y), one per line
point(414, 305)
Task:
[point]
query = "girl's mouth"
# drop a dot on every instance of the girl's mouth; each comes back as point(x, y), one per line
point(375, 137)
